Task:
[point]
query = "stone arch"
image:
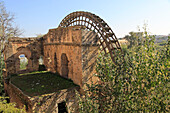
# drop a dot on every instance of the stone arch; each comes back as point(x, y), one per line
point(64, 65)
point(27, 54)
point(107, 38)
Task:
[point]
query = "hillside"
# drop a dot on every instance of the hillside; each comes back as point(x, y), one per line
point(161, 38)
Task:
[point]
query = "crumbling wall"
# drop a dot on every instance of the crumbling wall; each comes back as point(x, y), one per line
point(16, 95)
point(64, 41)
point(80, 48)
point(70, 51)
point(49, 103)
point(30, 47)
point(15, 43)
point(13, 62)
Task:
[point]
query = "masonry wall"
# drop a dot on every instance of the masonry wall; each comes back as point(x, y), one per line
point(89, 52)
point(18, 97)
point(30, 47)
point(15, 43)
point(47, 103)
point(71, 52)
point(79, 46)
point(64, 41)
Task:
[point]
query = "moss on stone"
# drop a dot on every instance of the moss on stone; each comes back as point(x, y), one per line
point(41, 82)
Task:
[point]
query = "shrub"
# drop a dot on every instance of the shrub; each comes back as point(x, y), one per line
point(137, 83)
point(9, 107)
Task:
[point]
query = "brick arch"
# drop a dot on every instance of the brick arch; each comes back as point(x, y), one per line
point(27, 54)
point(25, 51)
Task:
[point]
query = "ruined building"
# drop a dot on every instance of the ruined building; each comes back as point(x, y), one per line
point(69, 50)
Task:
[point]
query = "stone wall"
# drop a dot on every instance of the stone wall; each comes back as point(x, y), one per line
point(70, 51)
point(64, 41)
point(16, 95)
point(80, 48)
point(30, 47)
point(89, 52)
point(47, 103)
point(15, 43)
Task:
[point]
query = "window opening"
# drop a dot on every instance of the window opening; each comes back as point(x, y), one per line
point(23, 62)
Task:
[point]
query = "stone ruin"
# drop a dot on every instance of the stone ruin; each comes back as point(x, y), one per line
point(30, 47)
point(70, 51)
point(67, 51)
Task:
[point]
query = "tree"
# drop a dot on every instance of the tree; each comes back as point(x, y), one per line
point(134, 38)
point(140, 83)
point(7, 28)
point(39, 35)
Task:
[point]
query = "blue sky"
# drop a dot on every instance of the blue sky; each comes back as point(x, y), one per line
point(123, 16)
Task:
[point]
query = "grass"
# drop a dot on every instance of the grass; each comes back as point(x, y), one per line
point(41, 82)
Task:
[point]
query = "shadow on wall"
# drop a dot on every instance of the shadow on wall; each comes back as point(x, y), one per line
point(90, 49)
point(64, 65)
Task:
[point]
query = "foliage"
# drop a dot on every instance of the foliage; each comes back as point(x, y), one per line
point(1, 74)
point(39, 35)
point(7, 28)
point(134, 38)
point(4, 106)
point(9, 107)
point(23, 65)
point(138, 83)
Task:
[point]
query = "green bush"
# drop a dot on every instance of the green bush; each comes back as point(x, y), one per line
point(4, 106)
point(1, 75)
point(137, 83)
point(9, 107)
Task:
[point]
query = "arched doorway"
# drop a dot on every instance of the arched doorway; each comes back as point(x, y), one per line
point(64, 65)
point(62, 108)
point(55, 61)
point(23, 62)
point(23, 56)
